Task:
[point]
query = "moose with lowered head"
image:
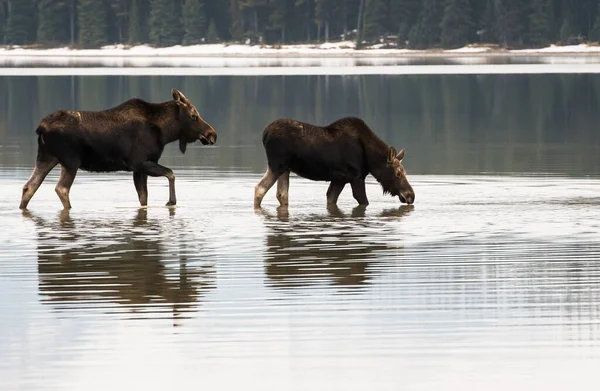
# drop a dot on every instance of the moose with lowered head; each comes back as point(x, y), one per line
point(343, 152)
point(128, 137)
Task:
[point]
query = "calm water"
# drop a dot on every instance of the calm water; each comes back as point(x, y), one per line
point(490, 281)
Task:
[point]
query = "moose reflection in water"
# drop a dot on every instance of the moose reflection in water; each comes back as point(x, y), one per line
point(343, 152)
point(120, 267)
point(129, 137)
point(333, 249)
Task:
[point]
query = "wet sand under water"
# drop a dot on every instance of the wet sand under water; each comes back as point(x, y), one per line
point(487, 282)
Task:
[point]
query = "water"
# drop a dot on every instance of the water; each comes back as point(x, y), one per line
point(489, 281)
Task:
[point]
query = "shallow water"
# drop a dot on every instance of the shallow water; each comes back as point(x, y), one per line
point(489, 281)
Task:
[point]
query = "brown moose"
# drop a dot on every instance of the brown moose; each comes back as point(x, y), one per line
point(128, 137)
point(345, 151)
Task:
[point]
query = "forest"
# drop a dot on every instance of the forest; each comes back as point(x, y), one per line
point(417, 24)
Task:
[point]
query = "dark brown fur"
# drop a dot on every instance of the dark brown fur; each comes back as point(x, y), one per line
point(343, 152)
point(128, 137)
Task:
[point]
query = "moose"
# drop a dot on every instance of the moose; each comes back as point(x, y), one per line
point(343, 152)
point(128, 137)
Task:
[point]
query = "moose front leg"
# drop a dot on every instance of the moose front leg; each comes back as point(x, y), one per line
point(140, 180)
point(334, 191)
point(267, 181)
point(283, 186)
point(63, 187)
point(156, 170)
point(359, 192)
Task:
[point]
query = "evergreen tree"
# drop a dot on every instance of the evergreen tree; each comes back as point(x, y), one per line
point(595, 34)
point(404, 15)
point(212, 35)
point(93, 22)
point(539, 22)
point(20, 23)
point(3, 17)
point(566, 31)
point(281, 18)
point(324, 13)
point(426, 33)
point(236, 29)
point(53, 26)
point(136, 29)
point(193, 21)
point(165, 22)
point(456, 23)
point(118, 20)
point(373, 20)
point(256, 14)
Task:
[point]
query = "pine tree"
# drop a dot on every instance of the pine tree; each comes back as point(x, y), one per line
point(280, 18)
point(426, 33)
point(236, 29)
point(194, 21)
point(93, 22)
point(212, 35)
point(20, 24)
point(135, 23)
point(3, 17)
point(324, 14)
point(595, 34)
point(53, 17)
point(539, 22)
point(374, 20)
point(165, 22)
point(404, 15)
point(118, 20)
point(456, 23)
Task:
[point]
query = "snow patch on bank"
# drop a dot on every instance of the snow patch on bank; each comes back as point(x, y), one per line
point(324, 49)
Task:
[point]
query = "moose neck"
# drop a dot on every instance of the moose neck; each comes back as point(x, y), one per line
point(167, 120)
point(377, 153)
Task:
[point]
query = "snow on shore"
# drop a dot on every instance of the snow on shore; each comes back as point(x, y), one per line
point(330, 49)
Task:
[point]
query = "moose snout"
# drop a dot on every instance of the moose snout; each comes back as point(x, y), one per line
point(209, 137)
point(407, 197)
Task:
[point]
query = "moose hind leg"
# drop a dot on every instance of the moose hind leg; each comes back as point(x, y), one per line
point(334, 191)
point(63, 187)
point(156, 170)
point(283, 186)
point(359, 192)
point(267, 181)
point(140, 180)
point(43, 166)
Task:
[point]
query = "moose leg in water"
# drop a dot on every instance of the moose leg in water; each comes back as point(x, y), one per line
point(156, 170)
point(359, 192)
point(283, 186)
point(43, 165)
point(267, 181)
point(140, 180)
point(63, 187)
point(334, 191)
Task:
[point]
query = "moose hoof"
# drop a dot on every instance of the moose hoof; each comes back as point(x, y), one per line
point(171, 203)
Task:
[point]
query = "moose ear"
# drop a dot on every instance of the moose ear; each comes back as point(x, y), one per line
point(178, 97)
point(400, 155)
point(392, 154)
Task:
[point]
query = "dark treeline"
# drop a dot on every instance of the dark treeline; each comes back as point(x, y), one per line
point(407, 23)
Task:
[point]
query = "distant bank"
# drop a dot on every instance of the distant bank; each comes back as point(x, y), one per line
point(332, 49)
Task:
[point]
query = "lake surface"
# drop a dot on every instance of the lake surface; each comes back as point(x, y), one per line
point(489, 281)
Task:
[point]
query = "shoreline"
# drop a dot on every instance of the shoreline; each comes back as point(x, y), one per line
point(329, 50)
